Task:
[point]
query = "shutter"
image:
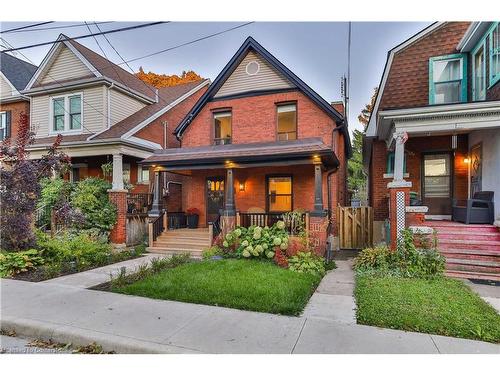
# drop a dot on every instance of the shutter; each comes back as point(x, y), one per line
point(7, 124)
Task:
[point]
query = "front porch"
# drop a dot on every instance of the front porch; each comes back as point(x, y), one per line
point(244, 185)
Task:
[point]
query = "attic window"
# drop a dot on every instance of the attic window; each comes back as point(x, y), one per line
point(252, 68)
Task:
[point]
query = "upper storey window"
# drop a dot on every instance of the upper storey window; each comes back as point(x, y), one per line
point(479, 73)
point(223, 128)
point(287, 122)
point(66, 113)
point(447, 79)
point(495, 54)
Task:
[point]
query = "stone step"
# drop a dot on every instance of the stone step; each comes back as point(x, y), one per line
point(472, 275)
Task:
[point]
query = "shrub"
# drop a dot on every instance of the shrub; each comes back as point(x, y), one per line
point(212, 251)
point(90, 196)
point(13, 263)
point(406, 261)
point(295, 245)
point(53, 191)
point(280, 259)
point(255, 241)
point(307, 262)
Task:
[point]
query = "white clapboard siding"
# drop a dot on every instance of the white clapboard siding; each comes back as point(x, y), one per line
point(64, 66)
point(94, 110)
point(266, 79)
point(122, 106)
point(5, 89)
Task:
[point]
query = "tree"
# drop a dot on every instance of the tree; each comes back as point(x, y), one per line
point(163, 80)
point(20, 185)
point(356, 180)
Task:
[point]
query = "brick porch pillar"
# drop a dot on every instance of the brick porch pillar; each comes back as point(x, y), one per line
point(118, 235)
point(318, 225)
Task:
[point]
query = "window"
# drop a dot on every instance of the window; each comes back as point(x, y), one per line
point(495, 54)
point(222, 124)
point(478, 73)
point(126, 173)
point(287, 122)
point(437, 176)
point(66, 113)
point(447, 79)
point(143, 174)
point(279, 193)
point(4, 125)
point(390, 163)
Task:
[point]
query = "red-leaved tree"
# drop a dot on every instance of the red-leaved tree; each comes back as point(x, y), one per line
point(20, 185)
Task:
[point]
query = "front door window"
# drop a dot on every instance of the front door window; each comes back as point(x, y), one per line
point(215, 197)
point(437, 183)
point(279, 194)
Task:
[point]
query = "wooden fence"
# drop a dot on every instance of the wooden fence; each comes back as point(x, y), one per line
point(355, 227)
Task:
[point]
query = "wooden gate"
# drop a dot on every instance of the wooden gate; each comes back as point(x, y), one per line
point(355, 227)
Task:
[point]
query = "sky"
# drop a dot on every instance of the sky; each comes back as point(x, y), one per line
point(315, 51)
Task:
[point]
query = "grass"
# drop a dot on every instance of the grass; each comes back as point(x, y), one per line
point(241, 284)
point(440, 306)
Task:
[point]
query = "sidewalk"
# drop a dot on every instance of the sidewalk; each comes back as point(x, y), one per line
point(129, 324)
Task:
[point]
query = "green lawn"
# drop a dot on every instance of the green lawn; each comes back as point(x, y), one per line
point(442, 306)
point(241, 284)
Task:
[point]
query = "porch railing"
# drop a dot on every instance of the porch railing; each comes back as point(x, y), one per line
point(139, 203)
point(246, 219)
point(176, 220)
point(156, 227)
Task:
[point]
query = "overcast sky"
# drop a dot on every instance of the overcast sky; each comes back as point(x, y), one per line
point(315, 51)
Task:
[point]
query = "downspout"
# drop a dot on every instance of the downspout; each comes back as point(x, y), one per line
point(165, 128)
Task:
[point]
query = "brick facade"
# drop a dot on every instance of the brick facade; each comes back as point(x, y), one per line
point(118, 234)
point(16, 108)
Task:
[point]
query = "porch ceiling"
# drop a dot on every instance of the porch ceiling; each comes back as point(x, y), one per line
point(302, 151)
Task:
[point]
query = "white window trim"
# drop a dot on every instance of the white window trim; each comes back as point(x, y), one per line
point(473, 58)
point(66, 130)
point(139, 176)
point(4, 128)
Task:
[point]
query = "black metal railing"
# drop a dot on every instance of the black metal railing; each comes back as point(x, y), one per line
point(139, 203)
point(263, 219)
point(43, 217)
point(156, 227)
point(216, 228)
point(176, 220)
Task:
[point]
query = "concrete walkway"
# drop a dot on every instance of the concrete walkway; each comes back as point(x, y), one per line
point(489, 293)
point(101, 275)
point(333, 299)
point(66, 312)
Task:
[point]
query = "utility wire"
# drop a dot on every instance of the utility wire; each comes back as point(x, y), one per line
point(85, 36)
point(25, 27)
point(58, 27)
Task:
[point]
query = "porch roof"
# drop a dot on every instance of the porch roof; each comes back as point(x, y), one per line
point(301, 151)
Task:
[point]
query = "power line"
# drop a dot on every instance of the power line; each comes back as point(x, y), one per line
point(85, 36)
point(25, 27)
point(59, 27)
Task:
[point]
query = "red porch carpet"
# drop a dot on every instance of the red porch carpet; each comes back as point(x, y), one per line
point(472, 251)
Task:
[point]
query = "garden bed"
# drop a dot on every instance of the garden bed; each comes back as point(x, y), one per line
point(255, 285)
point(441, 306)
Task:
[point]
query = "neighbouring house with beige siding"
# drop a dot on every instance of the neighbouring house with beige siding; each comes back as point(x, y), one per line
point(99, 109)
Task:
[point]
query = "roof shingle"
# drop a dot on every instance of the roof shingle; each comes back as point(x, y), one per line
point(17, 71)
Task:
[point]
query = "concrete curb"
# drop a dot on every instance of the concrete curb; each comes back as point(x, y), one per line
point(80, 337)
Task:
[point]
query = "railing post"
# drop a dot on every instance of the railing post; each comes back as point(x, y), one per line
point(238, 219)
point(210, 232)
point(307, 226)
point(165, 220)
point(150, 233)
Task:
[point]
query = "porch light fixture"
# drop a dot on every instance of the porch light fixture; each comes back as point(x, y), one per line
point(466, 160)
point(242, 186)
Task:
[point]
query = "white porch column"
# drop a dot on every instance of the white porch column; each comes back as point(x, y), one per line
point(117, 172)
point(399, 157)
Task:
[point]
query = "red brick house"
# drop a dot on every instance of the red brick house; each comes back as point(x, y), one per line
point(14, 75)
point(258, 143)
point(434, 133)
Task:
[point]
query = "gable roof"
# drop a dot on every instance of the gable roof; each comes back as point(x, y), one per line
point(99, 66)
point(18, 72)
point(248, 45)
point(168, 98)
point(371, 129)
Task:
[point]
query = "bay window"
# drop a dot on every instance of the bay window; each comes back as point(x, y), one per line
point(447, 79)
point(66, 113)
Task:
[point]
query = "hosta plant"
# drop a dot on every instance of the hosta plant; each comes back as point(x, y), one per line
point(307, 262)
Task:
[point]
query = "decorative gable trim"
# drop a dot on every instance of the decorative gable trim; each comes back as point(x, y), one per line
point(49, 59)
point(252, 44)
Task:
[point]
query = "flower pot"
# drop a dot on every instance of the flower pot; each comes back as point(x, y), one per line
point(192, 221)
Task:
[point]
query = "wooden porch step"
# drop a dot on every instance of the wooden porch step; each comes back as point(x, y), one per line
point(183, 241)
point(469, 244)
point(196, 254)
point(470, 235)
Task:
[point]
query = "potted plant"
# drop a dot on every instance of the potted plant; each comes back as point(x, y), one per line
point(192, 217)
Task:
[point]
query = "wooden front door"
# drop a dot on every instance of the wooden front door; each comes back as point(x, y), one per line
point(437, 183)
point(215, 197)
point(476, 170)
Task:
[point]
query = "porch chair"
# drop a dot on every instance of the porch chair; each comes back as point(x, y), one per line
point(478, 210)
